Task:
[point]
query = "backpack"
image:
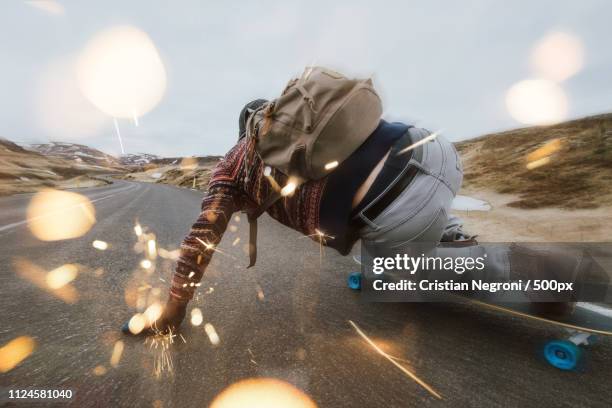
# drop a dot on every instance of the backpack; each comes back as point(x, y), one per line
point(319, 120)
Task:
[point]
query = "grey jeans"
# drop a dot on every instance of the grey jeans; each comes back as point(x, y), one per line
point(421, 212)
point(416, 220)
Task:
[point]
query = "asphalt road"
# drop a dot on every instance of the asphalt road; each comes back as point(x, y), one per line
point(287, 318)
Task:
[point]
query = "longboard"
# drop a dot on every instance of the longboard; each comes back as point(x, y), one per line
point(584, 324)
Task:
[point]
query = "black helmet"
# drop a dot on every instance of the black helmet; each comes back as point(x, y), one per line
point(246, 112)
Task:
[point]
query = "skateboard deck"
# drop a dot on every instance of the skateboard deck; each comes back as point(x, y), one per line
point(586, 317)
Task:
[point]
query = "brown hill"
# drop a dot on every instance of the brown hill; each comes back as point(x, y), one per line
point(27, 171)
point(567, 165)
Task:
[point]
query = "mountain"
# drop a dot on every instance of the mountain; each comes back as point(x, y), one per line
point(191, 172)
point(138, 159)
point(77, 152)
point(188, 161)
point(24, 170)
point(567, 165)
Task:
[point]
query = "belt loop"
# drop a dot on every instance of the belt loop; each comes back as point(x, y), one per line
point(419, 166)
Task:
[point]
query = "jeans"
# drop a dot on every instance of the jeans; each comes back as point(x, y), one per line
point(421, 212)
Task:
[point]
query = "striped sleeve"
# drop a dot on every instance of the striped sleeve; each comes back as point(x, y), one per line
point(223, 199)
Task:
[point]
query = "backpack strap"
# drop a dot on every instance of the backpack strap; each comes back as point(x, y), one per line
point(252, 217)
point(297, 160)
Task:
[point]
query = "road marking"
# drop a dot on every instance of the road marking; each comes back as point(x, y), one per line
point(604, 311)
point(17, 224)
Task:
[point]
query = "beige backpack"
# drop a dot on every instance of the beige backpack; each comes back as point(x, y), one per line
point(319, 120)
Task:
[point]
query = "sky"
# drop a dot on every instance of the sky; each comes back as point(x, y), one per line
point(443, 65)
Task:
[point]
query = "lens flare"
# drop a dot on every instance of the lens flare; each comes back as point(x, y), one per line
point(189, 163)
point(15, 351)
point(212, 334)
point(196, 316)
point(61, 111)
point(121, 72)
point(101, 245)
point(137, 323)
point(288, 189)
point(537, 102)
point(548, 149)
point(151, 248)
point(262, 393)
point(117, 353)
point(146, 264)
point(55, 215)
point(331, 165)
point(60, 277)
point(172, 255)
point(537, 163)
point(39, 277)
point(99, 370)
point(48, 6)
point(153, 312)
point(558, 56)
point(542, 156)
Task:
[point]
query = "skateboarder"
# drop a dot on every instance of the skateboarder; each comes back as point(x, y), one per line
point(396, 187)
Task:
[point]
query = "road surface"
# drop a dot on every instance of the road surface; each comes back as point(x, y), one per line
point(286, 318)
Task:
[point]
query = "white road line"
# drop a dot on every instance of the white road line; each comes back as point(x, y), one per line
point(604, 311)
point(17, 224)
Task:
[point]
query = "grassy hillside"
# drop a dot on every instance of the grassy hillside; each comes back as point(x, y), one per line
point(571, 164)
point(24, 171)
point(189, 172)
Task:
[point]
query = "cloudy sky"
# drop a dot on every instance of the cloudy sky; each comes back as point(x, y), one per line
point(440, 64)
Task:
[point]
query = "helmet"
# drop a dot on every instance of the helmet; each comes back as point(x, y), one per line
point(246, 112)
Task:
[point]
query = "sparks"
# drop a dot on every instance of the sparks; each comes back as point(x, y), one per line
point(420, 142)
point(160, 344)
point(212, 248)
point(395, 363)
point(206, 244)
point(331, 165)
point(322, 239)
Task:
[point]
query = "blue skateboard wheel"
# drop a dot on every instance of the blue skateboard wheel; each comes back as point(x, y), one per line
point(354, 280)
point(562, 354)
